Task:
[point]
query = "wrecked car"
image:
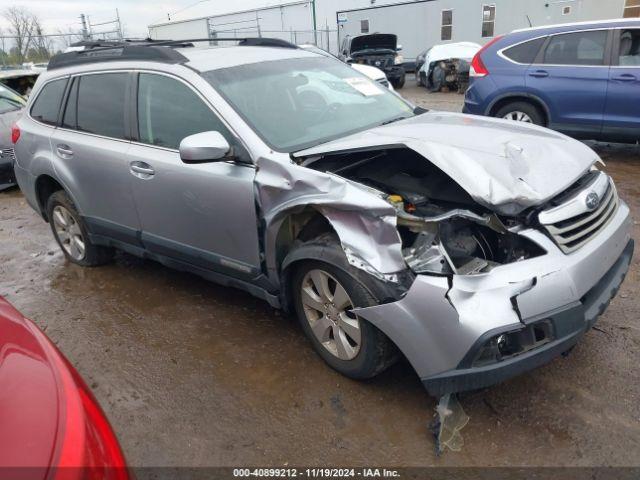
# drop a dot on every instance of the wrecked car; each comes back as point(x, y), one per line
point(11, 105)
point(477, 248)
point(380, 50)
point(20, 80)
point(447, 66)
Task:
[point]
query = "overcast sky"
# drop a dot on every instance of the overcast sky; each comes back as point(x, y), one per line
point(136, 15)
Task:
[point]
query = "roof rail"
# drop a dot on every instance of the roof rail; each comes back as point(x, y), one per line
point(92, 51)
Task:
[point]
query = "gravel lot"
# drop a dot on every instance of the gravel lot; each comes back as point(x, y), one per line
point(193, 374)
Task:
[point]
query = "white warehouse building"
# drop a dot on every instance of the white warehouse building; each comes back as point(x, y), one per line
point(418, 24)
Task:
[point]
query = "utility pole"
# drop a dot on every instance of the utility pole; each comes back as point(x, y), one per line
point(258, 24)
point(85, 31)
point(315, 27)
point(119, 24)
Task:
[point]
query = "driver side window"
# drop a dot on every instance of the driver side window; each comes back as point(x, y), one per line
point(169, 111)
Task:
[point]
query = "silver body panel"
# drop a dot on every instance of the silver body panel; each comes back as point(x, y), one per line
point(229, 214)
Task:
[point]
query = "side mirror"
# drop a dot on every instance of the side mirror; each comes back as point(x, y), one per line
point(205, 147)
point(399, 49)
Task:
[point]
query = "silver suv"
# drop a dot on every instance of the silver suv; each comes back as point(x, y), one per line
point(475, 247)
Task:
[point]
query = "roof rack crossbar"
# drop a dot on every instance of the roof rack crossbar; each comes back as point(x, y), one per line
point(148, 49)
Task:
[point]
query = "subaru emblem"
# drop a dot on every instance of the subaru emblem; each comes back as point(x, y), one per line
point(592, 201)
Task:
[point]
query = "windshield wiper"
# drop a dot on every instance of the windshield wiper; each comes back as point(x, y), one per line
point(393, 120)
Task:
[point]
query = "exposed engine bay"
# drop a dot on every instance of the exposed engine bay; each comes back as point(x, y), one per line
point(452, 73)
point(443, 230)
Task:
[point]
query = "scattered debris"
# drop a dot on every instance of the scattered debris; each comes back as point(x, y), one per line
point(598, 329)
point(448, 421)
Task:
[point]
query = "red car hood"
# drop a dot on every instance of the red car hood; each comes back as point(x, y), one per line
point(29, 406)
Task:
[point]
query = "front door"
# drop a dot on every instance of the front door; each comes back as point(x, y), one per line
point(202, 214)
point(622, 111)
point(570, 75)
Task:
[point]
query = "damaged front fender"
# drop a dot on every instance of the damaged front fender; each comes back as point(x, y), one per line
point(364, 222)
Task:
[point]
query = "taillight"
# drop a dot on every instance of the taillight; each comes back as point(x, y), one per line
point(478, 68)
point(15, 133)
point(87, 447)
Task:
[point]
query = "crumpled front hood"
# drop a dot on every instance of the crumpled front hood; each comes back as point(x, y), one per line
point(503, 165)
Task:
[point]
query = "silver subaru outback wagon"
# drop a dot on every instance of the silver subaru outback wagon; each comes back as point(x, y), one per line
point(477, 248)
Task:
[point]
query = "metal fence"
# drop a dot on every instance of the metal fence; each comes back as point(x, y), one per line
point(323, 38)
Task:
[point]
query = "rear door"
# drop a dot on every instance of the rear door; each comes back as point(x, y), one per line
point(91, 145)
point(570, 75)
point(202, 214)
point(622, 111)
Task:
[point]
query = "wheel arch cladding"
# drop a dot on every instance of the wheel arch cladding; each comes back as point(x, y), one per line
point(46, 185)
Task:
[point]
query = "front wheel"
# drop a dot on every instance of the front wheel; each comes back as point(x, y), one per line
point(398, 83)
point(324, 297)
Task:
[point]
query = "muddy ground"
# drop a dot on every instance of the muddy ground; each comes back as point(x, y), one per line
point(193, 374)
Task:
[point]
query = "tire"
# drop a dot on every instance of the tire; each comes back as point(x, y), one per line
point(437, 80)
point(372, 352)
point(398, 83)
point(423, 79)
point(515, 109)
point(71, 234)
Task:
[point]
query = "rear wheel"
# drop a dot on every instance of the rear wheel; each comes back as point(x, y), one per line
point(71, 234)
point(521, 112)
point(324, 296)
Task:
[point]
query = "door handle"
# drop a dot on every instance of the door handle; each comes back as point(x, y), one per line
point(64, 151)
point(142, 170)
point(539, 74)
point(625, 77)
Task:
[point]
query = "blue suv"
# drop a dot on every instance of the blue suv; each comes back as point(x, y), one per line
point(580, 79)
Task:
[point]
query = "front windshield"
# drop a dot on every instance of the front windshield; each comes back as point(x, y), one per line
point(301, 102)
point(10, 100)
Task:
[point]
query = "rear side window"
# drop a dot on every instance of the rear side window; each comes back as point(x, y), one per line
point(46, 107)
point(169, 111)
point(580, 48)
point(525, 52)
point(101, 105)
point(629, 51)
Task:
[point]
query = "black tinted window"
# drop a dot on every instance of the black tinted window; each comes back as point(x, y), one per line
point(581, 48)
point(46, 107)
point(101, 104)
point(169, 111)
point(525, 52)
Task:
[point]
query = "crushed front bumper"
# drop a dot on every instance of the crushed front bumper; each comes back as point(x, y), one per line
point(569, 324)
point(441, 323)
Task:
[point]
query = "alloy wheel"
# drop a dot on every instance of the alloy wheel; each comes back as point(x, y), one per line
point(518, 116)
point(328, 310)
point(68, 232)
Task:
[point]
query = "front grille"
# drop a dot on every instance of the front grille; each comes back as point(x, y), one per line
point(8, 153)
point(379, 61)
point(580, 224)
